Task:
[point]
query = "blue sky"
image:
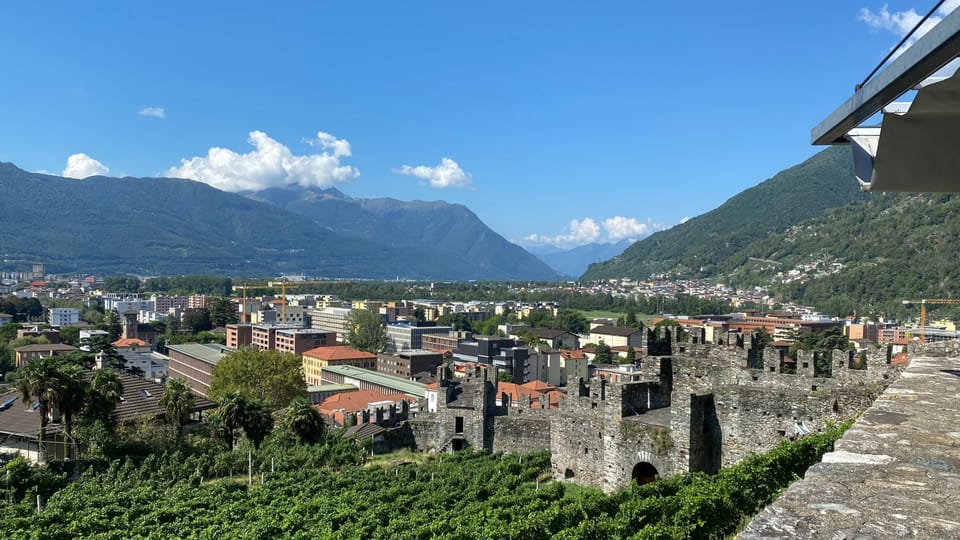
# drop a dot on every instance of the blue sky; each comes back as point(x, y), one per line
point(553, 121)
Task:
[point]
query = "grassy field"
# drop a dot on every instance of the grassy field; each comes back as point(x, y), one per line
point(590, 315)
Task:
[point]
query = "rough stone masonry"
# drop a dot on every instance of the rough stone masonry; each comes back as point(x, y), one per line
point(697, 406)
point(894, 474)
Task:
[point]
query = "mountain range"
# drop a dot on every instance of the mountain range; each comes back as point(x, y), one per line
point(574, 261)
point(175, 226)
point(811, 237)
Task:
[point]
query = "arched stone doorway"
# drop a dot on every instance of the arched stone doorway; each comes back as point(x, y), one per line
point(644, 473)
point(568, 474)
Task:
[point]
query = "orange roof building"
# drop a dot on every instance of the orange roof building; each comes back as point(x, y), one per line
point(342, 405)
point(316, 359)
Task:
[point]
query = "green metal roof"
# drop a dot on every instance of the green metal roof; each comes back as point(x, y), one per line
point(404, 386)
point(330, 387)
point(203, 352)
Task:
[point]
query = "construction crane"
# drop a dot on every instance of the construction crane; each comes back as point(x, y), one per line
point(923, 311)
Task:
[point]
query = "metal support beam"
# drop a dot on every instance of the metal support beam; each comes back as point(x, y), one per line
point(931, 52)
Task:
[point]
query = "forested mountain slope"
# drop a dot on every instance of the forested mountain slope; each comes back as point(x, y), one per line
point(706, 243)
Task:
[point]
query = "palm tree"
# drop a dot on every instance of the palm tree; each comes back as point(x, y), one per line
point(106, 391)
point(257, 421)
point(303, 420)
point(40, 379)
point(177, 400)
point(230, 413)
point(71, 397)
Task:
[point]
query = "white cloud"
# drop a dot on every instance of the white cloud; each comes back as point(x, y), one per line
point(684, 219)
point(270, 164)
point(902, 22)
point(581, 232)
point(447, 174)
point(619, 228)
point(588, 231)
point(156, 112)
point(82, 166)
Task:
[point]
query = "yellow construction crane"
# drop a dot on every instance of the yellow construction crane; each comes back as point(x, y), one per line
point(923, 311)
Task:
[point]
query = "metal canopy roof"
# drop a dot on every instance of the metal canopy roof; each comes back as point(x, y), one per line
point(929, 53)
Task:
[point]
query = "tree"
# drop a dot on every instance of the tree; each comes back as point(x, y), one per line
point(573, 322)
point(257, 421)
point(269, 375)
point(237, 412)
point(106, 390)
point(456, 320)
point(631, 320)
point(70, 335)
point(40, 379)
point(102, 347)
point(304, 421)
point(230, 416)
point(177, 400)
point(503, 376)
point(221, 312)
point(70, 396)
point(603, 354)
point(111, 325)
point(366, 331)
point(196, 320)
point(419, 314)
point(631, 356)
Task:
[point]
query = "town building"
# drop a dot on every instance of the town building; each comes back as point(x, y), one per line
point(25, 354)
point(405, 364)
point(141, 359)
point(320, 358)
point(365, 379)
point(299, 340)
point(239, 335)
point(405, 336)
point(617, 336)
point(63, 316)
point(331, 319)
point(193, 362)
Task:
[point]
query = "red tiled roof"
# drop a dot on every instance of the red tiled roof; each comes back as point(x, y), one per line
point(129, 342)
point(353, 402)
point(339, 352)
point(578, 354)
point(538, 386)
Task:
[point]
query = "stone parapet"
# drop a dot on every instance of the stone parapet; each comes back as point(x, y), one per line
point(895, 473)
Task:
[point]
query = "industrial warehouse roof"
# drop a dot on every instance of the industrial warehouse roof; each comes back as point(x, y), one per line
point(200, 351)
point(401, 385)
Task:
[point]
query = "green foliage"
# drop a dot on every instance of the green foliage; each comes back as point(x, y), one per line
point(70, 335)
point(196, 320)
point(187, 285)
point(503, 376)
point(603, 354)
point(823, 343)
point(22, 309)
point(122, 284)
point(271, 376)
point(304, 421)
point(323, 491)
point(221, 313)
point(177, 400)
point(456, 320)
point(366, 331)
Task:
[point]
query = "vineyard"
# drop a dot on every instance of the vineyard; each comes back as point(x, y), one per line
point(326, 491)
